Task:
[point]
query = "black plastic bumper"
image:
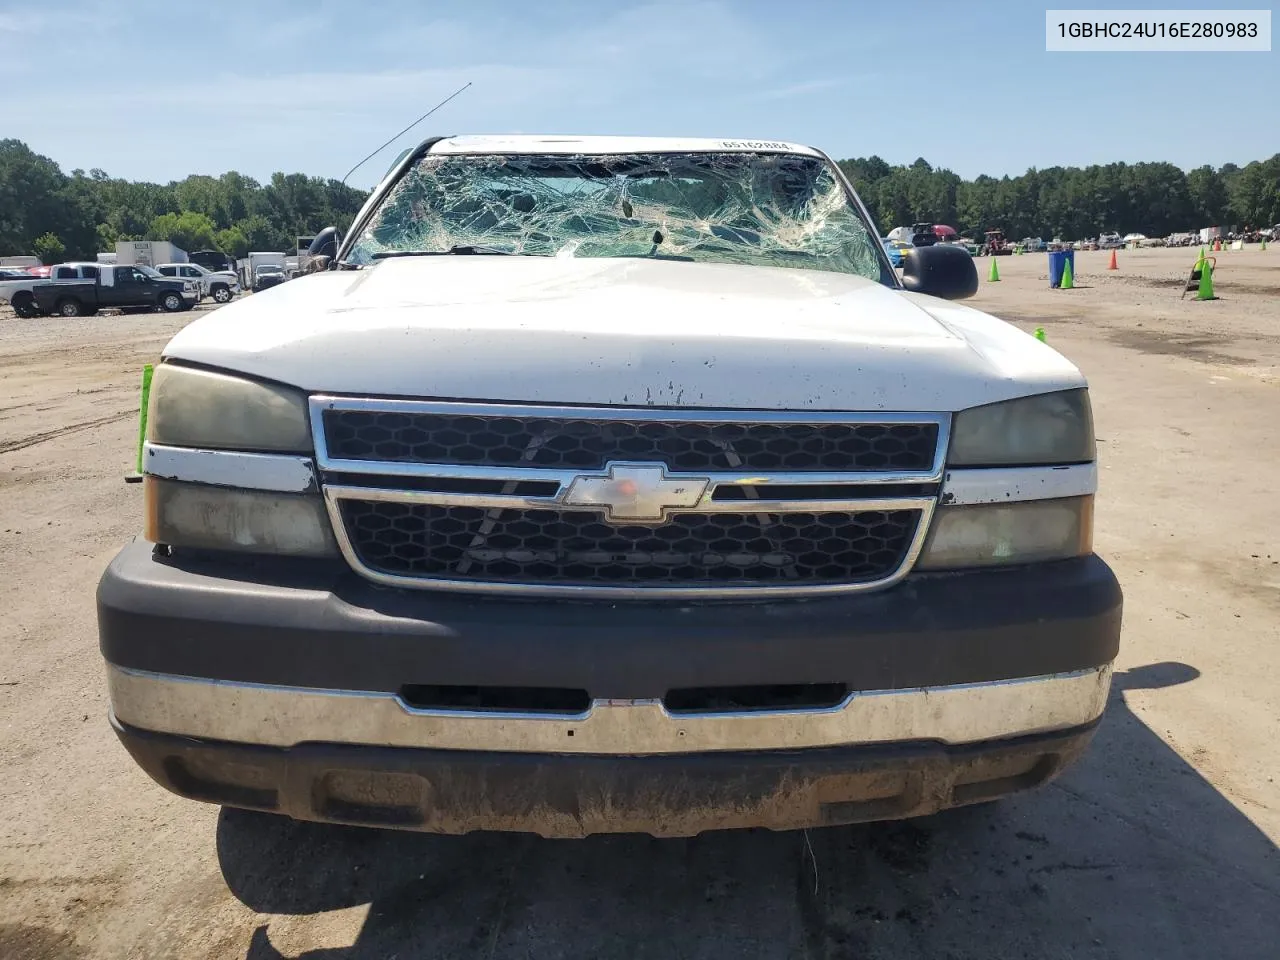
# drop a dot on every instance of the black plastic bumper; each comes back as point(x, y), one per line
point(442, 791)
point(322, 626)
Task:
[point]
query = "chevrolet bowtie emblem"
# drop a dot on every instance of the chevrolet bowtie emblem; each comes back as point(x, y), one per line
point(636, 491)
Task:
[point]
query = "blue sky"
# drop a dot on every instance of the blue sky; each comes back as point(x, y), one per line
point(157, 90)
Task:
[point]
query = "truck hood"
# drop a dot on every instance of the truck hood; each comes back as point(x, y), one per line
point(623, 331)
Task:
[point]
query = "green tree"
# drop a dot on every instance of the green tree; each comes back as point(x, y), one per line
point(48, 248)
point(233, 241)
point(1208, 196)
point(261, 234)
point(35, 200)
point(189, 230)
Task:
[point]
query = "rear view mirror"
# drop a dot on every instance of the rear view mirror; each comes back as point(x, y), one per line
point(942, 270)
point(325, 244)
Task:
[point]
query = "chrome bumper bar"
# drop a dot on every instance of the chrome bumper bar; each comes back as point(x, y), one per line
point(283, 716)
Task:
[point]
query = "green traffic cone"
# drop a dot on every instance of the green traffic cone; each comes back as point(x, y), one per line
point(1067, 281)
point(995, 273)
point(1040, 334)
point(1206, 281)
point(1264, 243)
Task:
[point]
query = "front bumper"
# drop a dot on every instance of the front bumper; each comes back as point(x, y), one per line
point(230, 675)
point(556, 795)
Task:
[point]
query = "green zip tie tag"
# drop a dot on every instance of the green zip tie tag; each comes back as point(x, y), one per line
point(147, 370)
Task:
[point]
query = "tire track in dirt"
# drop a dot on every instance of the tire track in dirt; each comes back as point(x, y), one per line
point(8, 446)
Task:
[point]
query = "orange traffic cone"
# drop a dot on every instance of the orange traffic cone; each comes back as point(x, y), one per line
point(1113, 265)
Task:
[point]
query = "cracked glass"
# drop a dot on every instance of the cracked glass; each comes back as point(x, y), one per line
point(764, 209)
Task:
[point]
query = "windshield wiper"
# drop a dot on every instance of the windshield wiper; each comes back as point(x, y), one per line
point(459, 250)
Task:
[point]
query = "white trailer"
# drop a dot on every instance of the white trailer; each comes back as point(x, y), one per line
point(148, 253)
point(20, 263)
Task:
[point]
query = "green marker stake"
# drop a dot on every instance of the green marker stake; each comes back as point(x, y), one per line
point(147, 370)
point(1039, 336)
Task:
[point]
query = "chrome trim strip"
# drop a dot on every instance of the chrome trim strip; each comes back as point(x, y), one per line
point(321, 402)
point(1010, 484)
point(333, 496)
point(502, 501)
point(566, 476)
point(282, 473)
point(282, 716)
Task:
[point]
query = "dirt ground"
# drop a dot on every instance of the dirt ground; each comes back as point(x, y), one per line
point(1161, 843)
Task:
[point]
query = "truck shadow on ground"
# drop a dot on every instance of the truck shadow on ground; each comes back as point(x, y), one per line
point(1130, 854)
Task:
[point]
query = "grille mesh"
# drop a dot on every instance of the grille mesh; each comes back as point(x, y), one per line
point(579, 547)
point(590, 444)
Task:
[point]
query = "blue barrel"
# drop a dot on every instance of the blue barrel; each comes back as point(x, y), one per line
point(1056, 259)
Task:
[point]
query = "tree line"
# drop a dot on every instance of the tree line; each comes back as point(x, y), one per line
point(1072, 203)
point(56, 215)
point(73, 216)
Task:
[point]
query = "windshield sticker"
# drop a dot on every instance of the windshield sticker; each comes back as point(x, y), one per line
point(754, 145)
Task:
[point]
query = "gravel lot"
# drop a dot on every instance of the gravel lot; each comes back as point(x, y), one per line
point(1161, 843)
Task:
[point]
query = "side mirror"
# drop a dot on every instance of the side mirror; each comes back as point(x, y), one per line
point(941, 270)
point(325, 244)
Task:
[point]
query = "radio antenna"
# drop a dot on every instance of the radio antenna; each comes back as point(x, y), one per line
point(405, 130)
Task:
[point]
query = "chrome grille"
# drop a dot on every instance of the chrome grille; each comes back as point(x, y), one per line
point(691, 549)
point(584, 443)
point(626, 502)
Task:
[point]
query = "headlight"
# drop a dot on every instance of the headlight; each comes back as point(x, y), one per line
point(1048, 428)
point(224, 518)
point(1006, 533)
point(196, 408)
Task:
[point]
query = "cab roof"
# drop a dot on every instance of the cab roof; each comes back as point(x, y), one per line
point(606, 145)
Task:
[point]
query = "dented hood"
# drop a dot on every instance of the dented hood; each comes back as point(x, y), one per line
point(623, 331)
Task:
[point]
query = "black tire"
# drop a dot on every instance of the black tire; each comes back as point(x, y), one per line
point(24, 305)
point(69, 307)
point(221, 293)
point(172, 302)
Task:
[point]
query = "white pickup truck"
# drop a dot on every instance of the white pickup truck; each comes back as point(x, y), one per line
point(222, 286)
point(611, 484)
point(16, 290)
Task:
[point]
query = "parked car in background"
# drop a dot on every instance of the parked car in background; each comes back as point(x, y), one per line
point(82, 289)
point(220, 286)
point(1109, 241)
point(19, 291)
point(923, 235)
point(268, 275)
point(213, 260)
point(894, 249)
point(1031, 244)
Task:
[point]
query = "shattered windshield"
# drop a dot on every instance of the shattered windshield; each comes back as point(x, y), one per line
point(780, 210)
